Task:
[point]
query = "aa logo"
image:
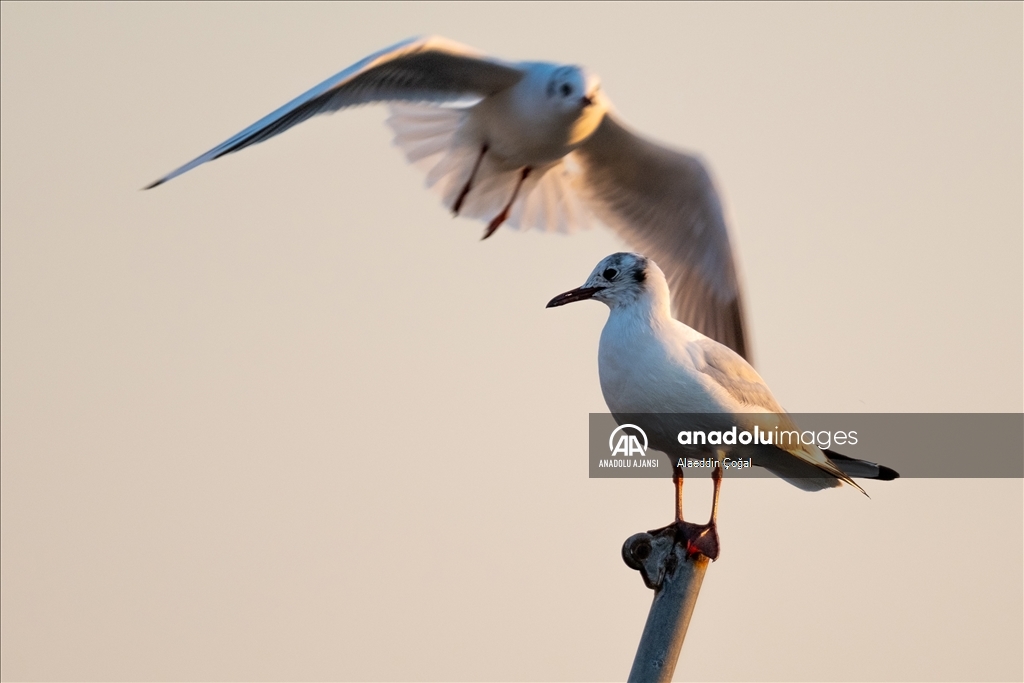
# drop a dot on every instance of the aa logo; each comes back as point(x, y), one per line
point(627, 444)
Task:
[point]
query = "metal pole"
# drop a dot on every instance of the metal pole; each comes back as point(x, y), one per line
point(675, 575)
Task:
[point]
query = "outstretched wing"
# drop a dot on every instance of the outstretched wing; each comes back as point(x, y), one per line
point(665, 205)
point(416, 70)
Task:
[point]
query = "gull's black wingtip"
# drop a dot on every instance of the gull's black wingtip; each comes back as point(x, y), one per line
point(887, 473)
point(155, 183)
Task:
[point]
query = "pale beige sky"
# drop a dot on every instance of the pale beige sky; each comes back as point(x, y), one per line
point(280, 419)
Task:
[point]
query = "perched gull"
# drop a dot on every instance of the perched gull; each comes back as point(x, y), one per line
point(536, 145)
point(650, 363)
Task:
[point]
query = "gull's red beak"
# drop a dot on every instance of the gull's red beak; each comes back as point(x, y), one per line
point(587, 100)
point(578, 294)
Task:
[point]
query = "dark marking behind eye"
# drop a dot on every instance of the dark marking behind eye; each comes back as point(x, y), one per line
point(609, 273)
point(639, 275)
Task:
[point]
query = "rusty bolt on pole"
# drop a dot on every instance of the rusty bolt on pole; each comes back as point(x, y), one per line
point(675, 576)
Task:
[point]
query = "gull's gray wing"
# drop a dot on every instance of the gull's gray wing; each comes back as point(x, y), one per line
point(664, 204)
point(745, 387)
point(430, 69)
point(736, 376)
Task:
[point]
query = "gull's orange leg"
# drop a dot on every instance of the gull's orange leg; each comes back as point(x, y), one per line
point(469, 183)
point(677, 478)
point(716, 476)
point(500, 218)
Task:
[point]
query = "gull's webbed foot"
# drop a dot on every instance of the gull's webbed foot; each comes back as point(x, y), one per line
point(698, 539)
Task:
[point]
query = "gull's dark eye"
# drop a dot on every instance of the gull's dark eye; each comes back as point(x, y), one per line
point(566, 89)
point(609, 273)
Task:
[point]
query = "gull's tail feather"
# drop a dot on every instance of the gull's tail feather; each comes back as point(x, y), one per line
point(808, 469)
point(819, 483)
point(863, 469)
point(429, 135)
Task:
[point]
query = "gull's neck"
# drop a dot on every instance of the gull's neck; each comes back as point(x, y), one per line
point(651, 309)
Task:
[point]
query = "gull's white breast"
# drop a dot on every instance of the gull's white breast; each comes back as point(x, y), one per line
point(646, 367)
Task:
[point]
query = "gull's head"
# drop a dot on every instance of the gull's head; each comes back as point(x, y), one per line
point(622, 279)
point(575, 93)
point(567, 89)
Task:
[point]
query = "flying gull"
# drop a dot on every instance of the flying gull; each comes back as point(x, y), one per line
point(537, 145)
